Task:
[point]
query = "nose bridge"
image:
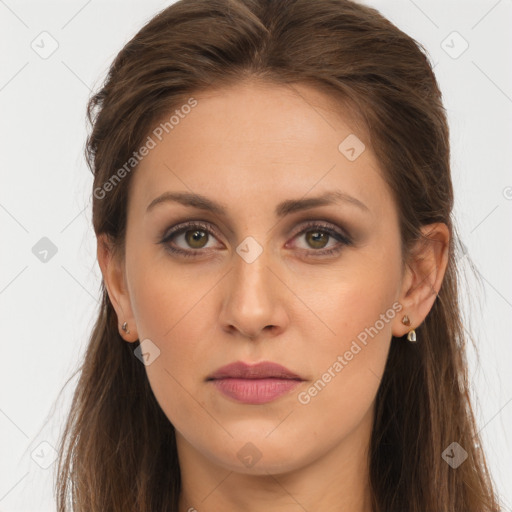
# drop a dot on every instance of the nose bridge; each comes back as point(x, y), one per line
point(250, 301)
point(251, 276)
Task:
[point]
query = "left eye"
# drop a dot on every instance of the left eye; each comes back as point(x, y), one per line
point(318, 233)
point(317, 238)
point(196, 236)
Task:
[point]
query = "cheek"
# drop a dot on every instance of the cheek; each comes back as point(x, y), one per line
point(355, 315)
point(163, 294)
point(355, 303)
point(167, 306)
point(168, 312)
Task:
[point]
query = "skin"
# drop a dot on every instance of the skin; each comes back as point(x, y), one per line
point(251, 146)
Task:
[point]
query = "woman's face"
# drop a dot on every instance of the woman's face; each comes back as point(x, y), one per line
point(271, 274)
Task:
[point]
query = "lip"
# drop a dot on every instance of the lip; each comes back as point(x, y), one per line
point(263, 370)
point(254, 383)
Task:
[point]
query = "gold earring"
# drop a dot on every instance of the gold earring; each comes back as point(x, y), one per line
point(411, 335)
point(125, 328)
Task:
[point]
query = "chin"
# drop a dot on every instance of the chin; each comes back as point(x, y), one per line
point(259, 455)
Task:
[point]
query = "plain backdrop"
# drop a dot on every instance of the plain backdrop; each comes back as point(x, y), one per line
point(48, 300)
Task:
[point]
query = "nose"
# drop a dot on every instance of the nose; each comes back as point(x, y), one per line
point(253, 305)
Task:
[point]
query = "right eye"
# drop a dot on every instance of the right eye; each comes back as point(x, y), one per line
point(194, 234)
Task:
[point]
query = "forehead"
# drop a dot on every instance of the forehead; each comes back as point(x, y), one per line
point(259, 140)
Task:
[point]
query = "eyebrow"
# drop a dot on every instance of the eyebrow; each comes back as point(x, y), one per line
point(282, 209)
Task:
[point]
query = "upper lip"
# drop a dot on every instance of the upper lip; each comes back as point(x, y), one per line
point(241, 370)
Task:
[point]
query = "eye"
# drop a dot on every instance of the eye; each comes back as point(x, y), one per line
point(196, 235)
point(317, 234)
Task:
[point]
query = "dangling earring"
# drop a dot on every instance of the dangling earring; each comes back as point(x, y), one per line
point(411, 335)
point(125, 328)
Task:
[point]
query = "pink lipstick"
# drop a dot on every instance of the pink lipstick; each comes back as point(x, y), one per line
point(254, 384)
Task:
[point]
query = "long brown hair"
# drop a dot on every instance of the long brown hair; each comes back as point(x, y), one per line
point(118, 450)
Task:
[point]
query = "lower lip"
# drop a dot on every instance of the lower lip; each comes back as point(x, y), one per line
point(255, 391)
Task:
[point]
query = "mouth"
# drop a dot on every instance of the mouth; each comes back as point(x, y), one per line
point(254, 384)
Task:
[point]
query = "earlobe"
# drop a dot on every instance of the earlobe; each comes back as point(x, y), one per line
point(112, 270)
point(425, 273)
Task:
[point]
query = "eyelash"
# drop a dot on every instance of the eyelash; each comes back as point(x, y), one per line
point(200, 226)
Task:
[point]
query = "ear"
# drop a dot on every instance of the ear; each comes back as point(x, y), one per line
point(423, 276)
point(114, 277)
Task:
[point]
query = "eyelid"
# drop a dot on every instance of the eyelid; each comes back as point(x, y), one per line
point(326, 225)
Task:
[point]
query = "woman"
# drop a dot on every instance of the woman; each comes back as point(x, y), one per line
point(280, 325)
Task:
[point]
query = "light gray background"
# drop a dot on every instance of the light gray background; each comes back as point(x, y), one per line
point(47, 308)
